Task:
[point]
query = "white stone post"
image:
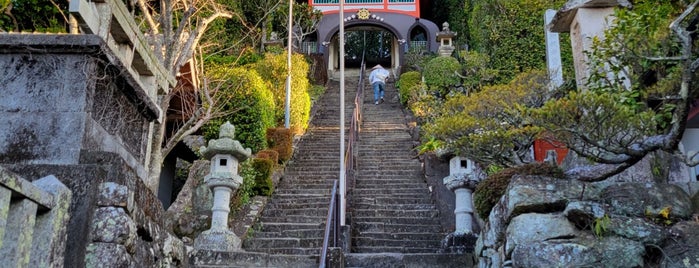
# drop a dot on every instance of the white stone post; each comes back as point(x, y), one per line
point(224, 152)
point(463, 210)
point(553, 52)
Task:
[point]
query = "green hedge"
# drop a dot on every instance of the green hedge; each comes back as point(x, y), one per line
point(407, 82)
point(263, 181)
point(441, 75)
point(245, 95)
point(273, 69)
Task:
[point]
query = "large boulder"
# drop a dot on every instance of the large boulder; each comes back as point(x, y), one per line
point(584, 251)
point(682, 250)
point(189, 214)
point(539, 194)
point(642, 199)
point(534, 227)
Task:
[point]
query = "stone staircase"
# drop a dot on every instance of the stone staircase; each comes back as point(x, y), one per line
point(395, 222)
point(293, 222)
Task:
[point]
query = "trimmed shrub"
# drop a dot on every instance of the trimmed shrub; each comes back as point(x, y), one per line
point(269, 154)
point(273, 69)
point(280, 140)
point(406, 82)
point(441, 75)
point(245, 93)
point(490, 190)
point(263, 181)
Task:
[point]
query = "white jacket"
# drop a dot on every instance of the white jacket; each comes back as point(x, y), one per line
point(378, 75)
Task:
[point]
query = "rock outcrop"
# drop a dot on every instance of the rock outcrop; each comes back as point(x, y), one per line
point(548, 222)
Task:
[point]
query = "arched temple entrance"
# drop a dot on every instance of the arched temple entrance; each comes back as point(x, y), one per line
point(385, 36)
point(376, 45)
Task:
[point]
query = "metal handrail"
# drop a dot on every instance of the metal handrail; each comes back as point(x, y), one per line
point(334, 206)
point(332, 220)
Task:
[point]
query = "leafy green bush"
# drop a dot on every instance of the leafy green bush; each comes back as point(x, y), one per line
point(491, 126)
point(33, 15)
point(263, 181)
point(245, 191)
point(406, 82)
point(511, 33)
point(280, 140)
point(273, 70)
point(441, 75)
point(490, 190)
point(245, 95)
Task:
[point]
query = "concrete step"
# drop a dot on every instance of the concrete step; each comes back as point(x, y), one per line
point(398, 249)
point(276, 217)
point(283, 242)
point(206, 258)
point(291, 233)
point(364, 241)
point(390, 191)
point(393, 206)
point(421, 213)
point(389, 200)
point(292, 212)
point(284, 226)
point(399, 220)
point(395, 227)
point(284, 251)
point(404, 236)
point(415, 260)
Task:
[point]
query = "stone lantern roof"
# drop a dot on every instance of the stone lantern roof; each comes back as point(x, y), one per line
point(564, 17)
point(445, 32)
point(225, 144)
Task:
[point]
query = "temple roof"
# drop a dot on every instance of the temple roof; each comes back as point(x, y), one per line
point(564, 16)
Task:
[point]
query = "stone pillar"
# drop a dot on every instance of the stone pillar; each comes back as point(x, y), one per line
point(224, 152)
point(444, 38)
point(553, 52)
point(462, 180)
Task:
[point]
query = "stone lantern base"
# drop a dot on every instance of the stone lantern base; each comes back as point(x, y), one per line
point(217, 240)
point(459, 243)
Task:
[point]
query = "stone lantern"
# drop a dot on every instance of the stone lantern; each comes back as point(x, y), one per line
point(462, 180)
point(444, 37)
point(223, 179)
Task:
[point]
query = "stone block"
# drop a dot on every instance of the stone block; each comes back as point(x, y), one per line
point(48, 245)
point(115, 195)
point(538, 194)
point(107, 255)
point(640, 199)
point(112, 225)
point(584, 213)
point(533, 227)
point(17, 242)
point(217, 240)
point(637, 229)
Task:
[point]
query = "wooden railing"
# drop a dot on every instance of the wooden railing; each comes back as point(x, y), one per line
point(33, 221)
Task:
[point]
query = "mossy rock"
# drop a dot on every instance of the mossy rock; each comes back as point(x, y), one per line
point(490, 190)
point(695, 203)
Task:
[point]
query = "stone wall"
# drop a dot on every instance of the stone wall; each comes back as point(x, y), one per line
point(68, 110)
point(547, 222)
